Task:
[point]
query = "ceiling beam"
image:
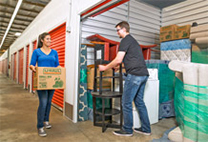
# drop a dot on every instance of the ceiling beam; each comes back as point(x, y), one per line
point(14, 31)
point(14, 23)
point(14, 28)
point(21, 19)
point(36, 2)
point(18, 14)
point(25, 9)
point(11, 21)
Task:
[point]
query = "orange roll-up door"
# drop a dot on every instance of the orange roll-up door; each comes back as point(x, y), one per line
point(34, 47)
point(27, 66)
point(15, 64)
point(20, 73)
point(4, 66)
point(11, 67)
point(1, 66)
point(58, 43)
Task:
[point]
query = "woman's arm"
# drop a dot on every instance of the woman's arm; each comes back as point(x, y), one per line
point(33, 61)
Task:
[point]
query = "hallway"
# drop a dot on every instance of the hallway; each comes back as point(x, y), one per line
point(18, 110)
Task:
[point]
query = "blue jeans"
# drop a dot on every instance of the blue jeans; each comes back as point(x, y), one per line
point(134, 90)
point(45, 97)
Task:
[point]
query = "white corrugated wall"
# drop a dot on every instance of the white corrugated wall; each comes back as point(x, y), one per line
point(144, 21)
point(186, 13)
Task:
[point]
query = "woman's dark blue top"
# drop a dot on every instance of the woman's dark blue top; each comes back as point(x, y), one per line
point(43, 60)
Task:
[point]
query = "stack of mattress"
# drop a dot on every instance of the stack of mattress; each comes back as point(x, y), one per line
point(176, 50)
point(191, 102)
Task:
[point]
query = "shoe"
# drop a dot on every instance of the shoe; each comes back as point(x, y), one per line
point(47, 125)
point(139, 130)
point(122, 133)
point(41, 132)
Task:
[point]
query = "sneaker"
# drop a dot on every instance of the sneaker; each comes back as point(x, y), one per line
point(122, 133)
point(139, 130)
point(41, 132)
point(47, 125)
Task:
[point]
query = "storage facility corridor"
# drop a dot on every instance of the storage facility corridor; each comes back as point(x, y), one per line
point(18, 110)
point(65, 54)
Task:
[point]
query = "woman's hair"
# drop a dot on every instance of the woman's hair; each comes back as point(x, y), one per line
point(41, 37)
point(124, 24)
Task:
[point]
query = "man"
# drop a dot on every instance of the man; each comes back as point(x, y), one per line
point(137, 75)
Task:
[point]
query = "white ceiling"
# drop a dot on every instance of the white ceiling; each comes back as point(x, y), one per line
point(29, 9)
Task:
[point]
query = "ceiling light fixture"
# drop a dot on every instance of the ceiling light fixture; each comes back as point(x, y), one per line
point(17, 34)
point(11, 21)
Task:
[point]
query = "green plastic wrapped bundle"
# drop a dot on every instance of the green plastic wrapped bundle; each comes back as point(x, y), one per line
point(166, 78)
point(191, 110)
point(98, 101)
point(200, 56)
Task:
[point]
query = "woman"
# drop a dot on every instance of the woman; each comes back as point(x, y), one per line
point(44, 57)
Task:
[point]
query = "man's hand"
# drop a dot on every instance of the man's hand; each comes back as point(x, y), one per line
point(102, 68)
point(116, 68)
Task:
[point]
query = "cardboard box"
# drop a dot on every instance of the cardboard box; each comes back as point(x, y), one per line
point(47, 78)
point(167, 33)
point(106, 82)
point(182, 32)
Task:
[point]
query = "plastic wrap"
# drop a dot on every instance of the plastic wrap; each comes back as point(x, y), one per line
point(200, 56)
point(166, 87)
point(166, 78)
point(191, 110)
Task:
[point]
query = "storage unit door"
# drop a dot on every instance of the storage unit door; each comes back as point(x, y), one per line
point(27, 66)
point(15, 64)
point(143, 19)
point(58, 43)
point(11, 66)
point(20, 75)
point(1, 66)
point(4, 67)
point(34, 47)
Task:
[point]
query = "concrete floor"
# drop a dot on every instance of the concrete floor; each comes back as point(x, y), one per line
point(18, 110)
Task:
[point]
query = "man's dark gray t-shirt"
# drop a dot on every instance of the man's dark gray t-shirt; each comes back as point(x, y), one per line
point(133, 60)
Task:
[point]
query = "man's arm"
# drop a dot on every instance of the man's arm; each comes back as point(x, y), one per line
point(119, 58)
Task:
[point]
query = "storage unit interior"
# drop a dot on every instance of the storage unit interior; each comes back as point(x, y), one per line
point(145, 21)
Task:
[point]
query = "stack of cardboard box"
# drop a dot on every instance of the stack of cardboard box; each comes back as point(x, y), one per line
point(174, 32)
point(175, 43)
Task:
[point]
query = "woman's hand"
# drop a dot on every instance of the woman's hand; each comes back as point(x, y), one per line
point(33, 68)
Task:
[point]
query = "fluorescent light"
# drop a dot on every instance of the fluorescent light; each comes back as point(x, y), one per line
point(11, 21)
point(17, 34)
